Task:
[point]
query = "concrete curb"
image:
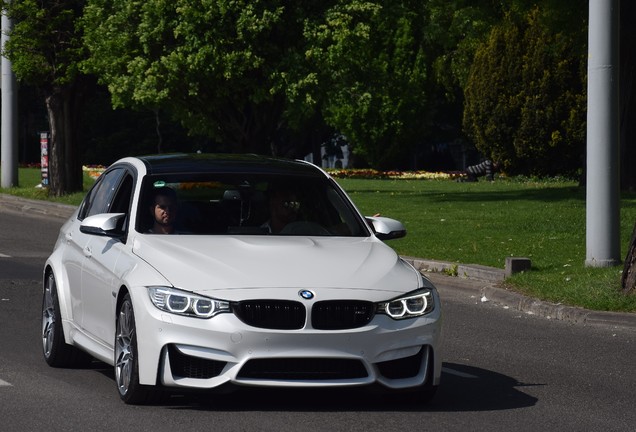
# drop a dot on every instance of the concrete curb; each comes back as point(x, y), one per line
point(558, 311)
point(35, 207)
point(491, 290)
point(470, 271)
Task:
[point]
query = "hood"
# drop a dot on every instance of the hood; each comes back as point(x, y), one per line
point(219, 265)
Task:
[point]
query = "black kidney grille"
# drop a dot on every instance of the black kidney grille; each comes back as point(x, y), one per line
point(271, 314)
point(303, 369)
point(341, 314)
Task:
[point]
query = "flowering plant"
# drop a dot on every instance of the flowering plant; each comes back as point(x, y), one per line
point(94, 171)
point(401, 175)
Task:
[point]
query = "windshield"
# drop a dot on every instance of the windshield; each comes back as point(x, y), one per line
point(246, 204)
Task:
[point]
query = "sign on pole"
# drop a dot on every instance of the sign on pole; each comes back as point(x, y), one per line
point(44, 158)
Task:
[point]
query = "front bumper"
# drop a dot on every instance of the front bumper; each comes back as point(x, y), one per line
point(184, 352)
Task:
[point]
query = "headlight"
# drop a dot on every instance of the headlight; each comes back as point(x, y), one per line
point(185, 303)
point(411, 305)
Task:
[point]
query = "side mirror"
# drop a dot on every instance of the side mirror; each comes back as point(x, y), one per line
point(386, 228)
point(105, 224)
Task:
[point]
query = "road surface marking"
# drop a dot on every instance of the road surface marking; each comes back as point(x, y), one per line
point(4, 256)
point(4, 383)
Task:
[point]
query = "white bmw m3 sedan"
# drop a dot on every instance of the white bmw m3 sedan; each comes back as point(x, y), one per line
point(209, 271)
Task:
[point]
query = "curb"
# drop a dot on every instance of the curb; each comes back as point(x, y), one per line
point(470, 271)
point(558, 311)
point(35, 207)
point(490, 290)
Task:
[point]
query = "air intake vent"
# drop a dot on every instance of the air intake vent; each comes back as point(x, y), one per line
point(185, 366)
point(303, 369)
point(406, 367)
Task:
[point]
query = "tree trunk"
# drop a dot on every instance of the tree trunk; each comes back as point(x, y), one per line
point(628, 280)
point(65, 168)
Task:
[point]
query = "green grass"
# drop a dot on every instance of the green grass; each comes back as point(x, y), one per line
point(483, 223)
point(29, 178)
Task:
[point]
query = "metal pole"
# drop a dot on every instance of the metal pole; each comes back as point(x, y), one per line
point(603, 181)
point(9, 116)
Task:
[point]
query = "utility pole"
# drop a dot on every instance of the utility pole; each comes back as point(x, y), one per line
point(603, 180)
point(9, 115)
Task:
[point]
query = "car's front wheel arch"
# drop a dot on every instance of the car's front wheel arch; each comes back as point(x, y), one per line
point(123, 291)
point(126, 356)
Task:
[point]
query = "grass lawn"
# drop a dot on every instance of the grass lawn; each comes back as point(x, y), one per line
point(29, 178)
point(483, 223)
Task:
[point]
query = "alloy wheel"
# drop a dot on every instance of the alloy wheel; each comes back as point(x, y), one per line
point(124, 355)
point(48, 318)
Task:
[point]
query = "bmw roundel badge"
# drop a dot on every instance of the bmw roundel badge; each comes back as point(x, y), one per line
point(306, 294)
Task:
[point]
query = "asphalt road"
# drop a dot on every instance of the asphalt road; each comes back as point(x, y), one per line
point(503, 370)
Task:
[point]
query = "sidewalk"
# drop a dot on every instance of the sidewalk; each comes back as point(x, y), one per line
point(486, 282)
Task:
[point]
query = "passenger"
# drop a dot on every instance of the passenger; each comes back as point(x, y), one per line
point(164, 211)
point(283, 209)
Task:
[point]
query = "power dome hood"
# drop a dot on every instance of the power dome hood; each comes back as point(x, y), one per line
point(206, 264)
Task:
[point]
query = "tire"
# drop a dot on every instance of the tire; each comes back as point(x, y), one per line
point(127, 360)
point(57, 353)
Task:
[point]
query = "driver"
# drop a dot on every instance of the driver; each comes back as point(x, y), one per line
point(283, 209)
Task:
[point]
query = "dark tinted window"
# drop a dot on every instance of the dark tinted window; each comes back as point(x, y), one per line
point(99, 197)
point(251, 204)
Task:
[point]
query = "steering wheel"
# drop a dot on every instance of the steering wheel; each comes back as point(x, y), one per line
point(305, 228)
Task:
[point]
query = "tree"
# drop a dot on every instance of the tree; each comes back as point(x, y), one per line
point(458, 27)
point(525, 97)
point(123, 132)
point(220, 67)
point(45, 48)
point(628, 277)
point(371, 60)
point(257, 74)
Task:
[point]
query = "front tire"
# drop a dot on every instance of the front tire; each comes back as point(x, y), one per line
point(57, 353)
point(126, 359)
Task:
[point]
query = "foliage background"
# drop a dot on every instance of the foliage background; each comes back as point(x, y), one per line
point(530, 114)
point(434, 84)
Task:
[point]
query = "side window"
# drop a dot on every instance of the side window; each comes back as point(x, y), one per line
point(121, 202)
point(98, 199)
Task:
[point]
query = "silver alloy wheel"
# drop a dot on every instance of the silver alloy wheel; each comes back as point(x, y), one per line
point(124, 355)
point(48, 318)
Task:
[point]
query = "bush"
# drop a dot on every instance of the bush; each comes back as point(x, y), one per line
point(526, 100)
